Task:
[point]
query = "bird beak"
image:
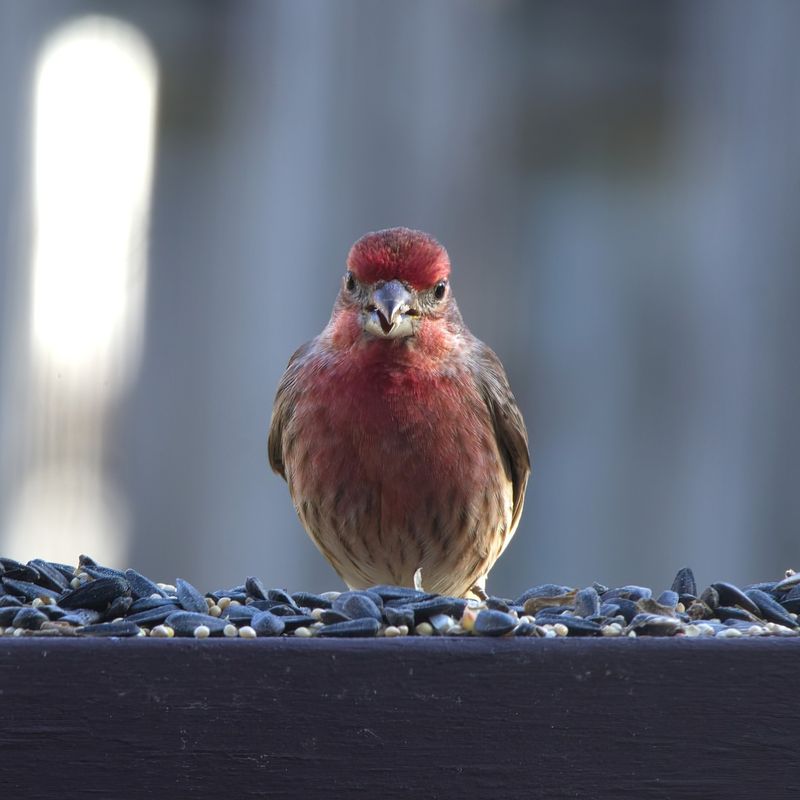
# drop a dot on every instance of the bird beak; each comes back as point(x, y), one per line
point(390, 301)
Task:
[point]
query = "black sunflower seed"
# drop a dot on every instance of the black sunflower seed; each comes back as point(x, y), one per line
point(82, 616)
point(310, 600)
point(147, 603)
point(52, 612)
point(142, 587)
point(577, 626)
point(654, 625)
point(764, 586)
point(97, 594)
point(494, 623)
point(725, 613)
point(281, 596)
point(19, 571)
point(30, 591)
point(256, 589)
point(730, 595)
point(356, 605)
point(526, 629)
point(587, 602)
point(126, 628)
point(791, 600)
point(238, 593)
point(266, 624)
point(710, 597)
point(241, 614)
point(402, 593)
point(118, 608)
point(189, 598)
point(153, 616)
point(293, 621)
point(49, 576)
point(684, 582)
point(629, 592)
point(185, 622)
point(7, 614)
point(330, 616)
point(355, 628)
point(543, 590)
point(400, 615)
point(276, 608)
point(789, 582)
point(453, 606)
point(668, 598)
point(627, 608)
point(770, 609)
point(104, 572)
point(498, 604)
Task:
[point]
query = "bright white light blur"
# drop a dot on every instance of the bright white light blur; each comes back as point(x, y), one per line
point(95, 94)
point(94, 118)
point(67, 509)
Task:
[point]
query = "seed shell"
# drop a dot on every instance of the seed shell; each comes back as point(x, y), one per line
point(356, 627)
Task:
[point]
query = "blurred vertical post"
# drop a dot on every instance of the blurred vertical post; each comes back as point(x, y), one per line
point(94, 106)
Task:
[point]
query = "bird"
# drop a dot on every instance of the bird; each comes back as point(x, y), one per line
point(396, 430)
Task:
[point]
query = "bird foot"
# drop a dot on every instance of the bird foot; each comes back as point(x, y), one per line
point(479, 591)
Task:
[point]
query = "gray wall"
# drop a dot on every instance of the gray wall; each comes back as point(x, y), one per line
point(617, 184)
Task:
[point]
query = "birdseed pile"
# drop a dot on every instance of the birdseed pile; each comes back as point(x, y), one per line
point(44, 598)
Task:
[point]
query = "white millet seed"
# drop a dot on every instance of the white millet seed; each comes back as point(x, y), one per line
point(705, 629)
point(246, 632)
point(202, 632)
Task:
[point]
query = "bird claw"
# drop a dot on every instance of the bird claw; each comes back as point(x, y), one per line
point(479, 591)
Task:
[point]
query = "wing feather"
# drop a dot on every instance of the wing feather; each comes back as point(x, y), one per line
point(509, 427)
point(283, 409)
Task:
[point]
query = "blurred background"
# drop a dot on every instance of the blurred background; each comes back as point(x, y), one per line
point(617, 184)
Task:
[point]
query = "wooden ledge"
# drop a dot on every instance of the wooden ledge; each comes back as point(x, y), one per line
point(427, 718)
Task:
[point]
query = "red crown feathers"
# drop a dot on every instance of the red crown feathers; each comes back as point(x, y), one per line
point(413, 257)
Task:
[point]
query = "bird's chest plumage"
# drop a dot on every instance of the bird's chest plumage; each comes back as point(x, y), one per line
point(398, 461)
point(397, 426)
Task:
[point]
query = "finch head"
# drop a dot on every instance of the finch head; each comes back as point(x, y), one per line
point(395, 279)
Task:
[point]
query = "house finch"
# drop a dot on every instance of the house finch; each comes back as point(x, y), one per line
point(396, 429)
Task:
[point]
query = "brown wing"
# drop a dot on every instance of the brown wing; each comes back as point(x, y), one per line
point(509, 427)
point(283, 409)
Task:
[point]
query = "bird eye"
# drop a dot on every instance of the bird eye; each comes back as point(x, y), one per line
point(350, 282)
point(439, 290)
